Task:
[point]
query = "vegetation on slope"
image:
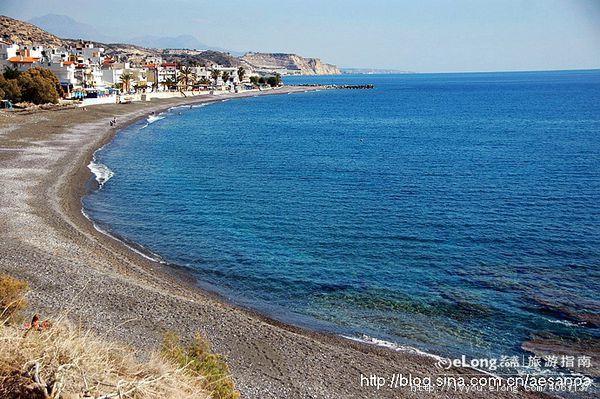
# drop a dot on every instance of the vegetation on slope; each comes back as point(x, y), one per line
point(57, 360)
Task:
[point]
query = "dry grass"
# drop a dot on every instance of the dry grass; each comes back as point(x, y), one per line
point(12, 298)
point(65, 362)
point(61, 361)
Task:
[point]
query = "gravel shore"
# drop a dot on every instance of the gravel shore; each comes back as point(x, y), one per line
point(46, 240)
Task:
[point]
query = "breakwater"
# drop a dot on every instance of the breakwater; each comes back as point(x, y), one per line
point(335, 86)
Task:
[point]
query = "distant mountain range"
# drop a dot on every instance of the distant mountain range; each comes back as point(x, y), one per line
point(67, 27)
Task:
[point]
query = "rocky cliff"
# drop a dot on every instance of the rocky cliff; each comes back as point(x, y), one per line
point(292, 63)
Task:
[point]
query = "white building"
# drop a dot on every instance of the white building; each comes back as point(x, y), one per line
point(7, 51)
point(89, 53)
point(64, 71)
point(201, 72)
point(159, 75)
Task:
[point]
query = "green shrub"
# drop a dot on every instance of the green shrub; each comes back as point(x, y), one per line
point(199, 361)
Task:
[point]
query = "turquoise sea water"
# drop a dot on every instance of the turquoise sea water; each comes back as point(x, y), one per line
point(457, 213)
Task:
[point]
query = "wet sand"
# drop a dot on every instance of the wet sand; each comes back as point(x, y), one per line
point(45, 239)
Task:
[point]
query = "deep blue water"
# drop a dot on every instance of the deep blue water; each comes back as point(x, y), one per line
point(458, 213)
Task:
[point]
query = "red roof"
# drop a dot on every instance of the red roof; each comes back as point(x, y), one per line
point(169, 64)
point(68, 63)
point(23, 60)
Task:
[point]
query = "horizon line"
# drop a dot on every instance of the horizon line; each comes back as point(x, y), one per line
point(400, 72)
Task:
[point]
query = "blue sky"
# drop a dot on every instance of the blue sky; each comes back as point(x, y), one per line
point(422, 36)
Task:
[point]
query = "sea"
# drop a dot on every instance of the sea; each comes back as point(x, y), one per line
point(458, 214)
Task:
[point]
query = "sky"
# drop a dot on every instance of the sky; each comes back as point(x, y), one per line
point(419, 36)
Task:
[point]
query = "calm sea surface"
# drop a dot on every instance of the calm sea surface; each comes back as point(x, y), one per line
point(457, 213)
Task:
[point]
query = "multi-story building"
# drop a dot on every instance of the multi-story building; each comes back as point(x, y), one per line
point(7, 51)
point(158, 76)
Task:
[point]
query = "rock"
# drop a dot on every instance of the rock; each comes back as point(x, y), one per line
point(293, 63)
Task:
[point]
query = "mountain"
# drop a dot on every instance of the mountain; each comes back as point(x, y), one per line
point(15, 31)
point(67, 27)
point(291, 62)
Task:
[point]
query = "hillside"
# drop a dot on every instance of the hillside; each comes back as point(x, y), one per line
point(291, 62)
point(15, 31)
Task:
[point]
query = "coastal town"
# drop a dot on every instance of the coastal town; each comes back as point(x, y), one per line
point(88, 76)
point(38, 67)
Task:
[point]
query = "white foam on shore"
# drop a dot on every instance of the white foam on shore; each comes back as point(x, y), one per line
point(154, 118)
point(102, 173)
point(365, 339)
point(154, 258)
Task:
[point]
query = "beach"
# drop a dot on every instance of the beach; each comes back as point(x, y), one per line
point(117, 292)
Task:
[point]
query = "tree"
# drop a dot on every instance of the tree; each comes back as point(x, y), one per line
point(49, 75)
point(169, 83)
point(126, 79)
point(10, 89)
point(204, 81)
point(214, 74)
point(39, 86)
point(140, 86)
point(225, 77)
point(186, 76)
point(274, 81)
point(254, 80)
point(262, 81)
point(241, 73)
point(11, 72)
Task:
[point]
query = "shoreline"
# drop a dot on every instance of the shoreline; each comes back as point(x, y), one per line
point(92, 184)
point(46, 237)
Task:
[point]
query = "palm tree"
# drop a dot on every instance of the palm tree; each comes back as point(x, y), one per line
point(204, 81)
point(215, 73)
point(165, 85)
point(226, 76)
point(169, 83)
point(241, 73)
point(185, 76)
point(140, 86)
point(126, 80)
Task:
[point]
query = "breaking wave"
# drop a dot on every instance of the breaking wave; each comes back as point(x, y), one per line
point(154, 118)
point(102, 173)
